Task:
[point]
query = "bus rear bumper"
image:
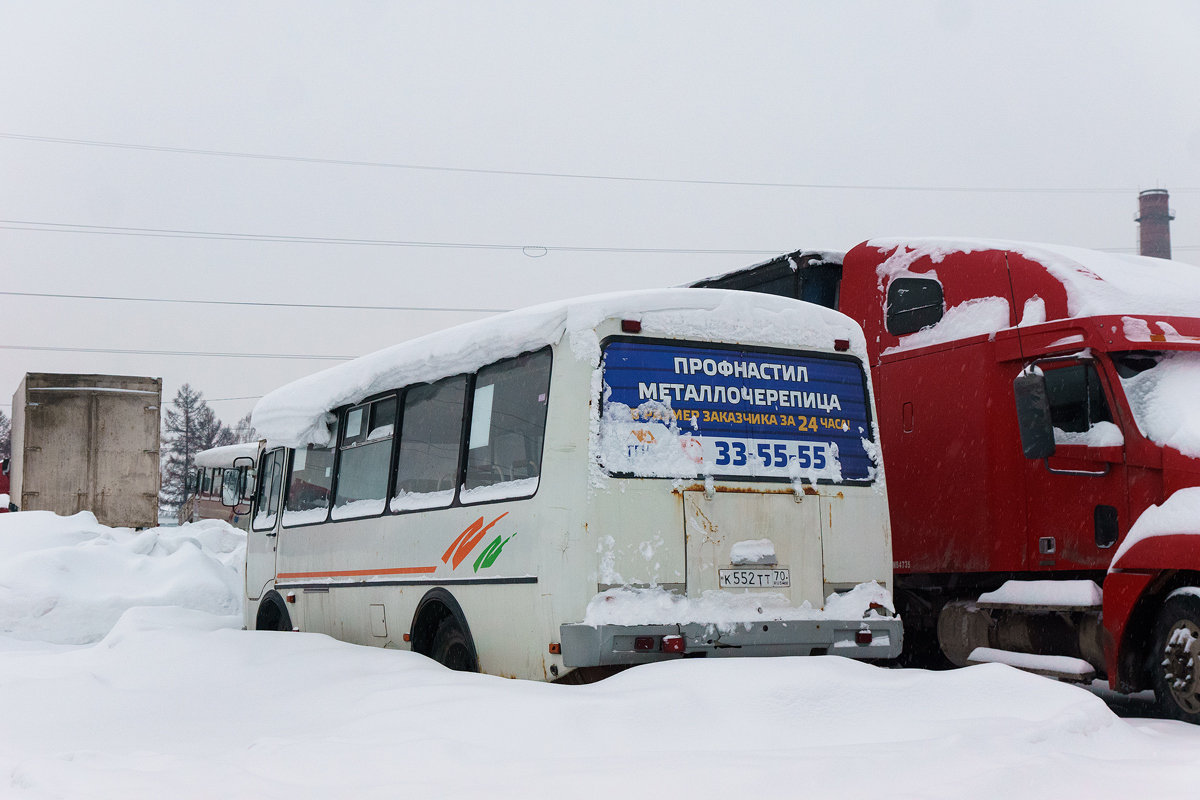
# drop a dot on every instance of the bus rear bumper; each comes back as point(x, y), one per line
point(602, 645)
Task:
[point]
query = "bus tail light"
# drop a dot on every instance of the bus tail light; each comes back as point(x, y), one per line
point(863, 636)
point(643, 643)
point(631, 326)
point(673, 644)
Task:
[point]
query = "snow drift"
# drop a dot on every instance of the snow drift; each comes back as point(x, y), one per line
point(68, 580)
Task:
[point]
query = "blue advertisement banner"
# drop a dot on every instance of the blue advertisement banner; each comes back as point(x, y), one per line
point(755, 413)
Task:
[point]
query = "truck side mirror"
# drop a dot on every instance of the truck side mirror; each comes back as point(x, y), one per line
point(1033, 414)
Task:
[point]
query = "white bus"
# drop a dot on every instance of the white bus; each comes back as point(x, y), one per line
point(221, 485)
point(581, 486)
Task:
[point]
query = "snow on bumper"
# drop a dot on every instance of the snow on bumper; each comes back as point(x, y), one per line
point(586, 645)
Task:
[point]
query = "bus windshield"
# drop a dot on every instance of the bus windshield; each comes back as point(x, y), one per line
point(674, 409)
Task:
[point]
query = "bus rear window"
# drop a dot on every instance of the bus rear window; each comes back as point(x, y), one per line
point(679, 410)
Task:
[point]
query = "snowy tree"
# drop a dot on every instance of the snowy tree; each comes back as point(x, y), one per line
point(5, 436)
point(189, 428)
point(243, 431)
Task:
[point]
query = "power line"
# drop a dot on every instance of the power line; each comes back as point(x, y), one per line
point(250, 303)
point(568, 175)
point(288, 356)
point(533, 251)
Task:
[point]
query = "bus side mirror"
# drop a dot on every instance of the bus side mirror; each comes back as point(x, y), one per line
point(245, 468)
point(231, 488)
point(1033, 414)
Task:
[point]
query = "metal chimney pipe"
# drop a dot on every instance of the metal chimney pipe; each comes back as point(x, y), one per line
point(1154, 223)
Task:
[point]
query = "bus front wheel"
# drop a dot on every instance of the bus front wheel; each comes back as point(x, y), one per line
point(451, 647)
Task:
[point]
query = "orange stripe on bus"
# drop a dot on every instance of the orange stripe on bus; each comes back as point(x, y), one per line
point(350, 572)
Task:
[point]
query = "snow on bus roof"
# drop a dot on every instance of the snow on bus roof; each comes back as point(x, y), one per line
point(1096, 283)
point(224, 456)
point(298, 413)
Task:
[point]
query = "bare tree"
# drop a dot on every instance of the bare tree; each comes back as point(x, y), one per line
point(243, 431)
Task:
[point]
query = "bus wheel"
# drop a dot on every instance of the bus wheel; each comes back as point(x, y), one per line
point(451, 648)
point(272, 614)
point(1176, 661)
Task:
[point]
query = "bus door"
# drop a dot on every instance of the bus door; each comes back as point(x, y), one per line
point(262, 538)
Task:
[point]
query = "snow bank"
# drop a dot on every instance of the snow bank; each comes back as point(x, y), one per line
point(1046, 593)
point(726, 610)
point(1179, 513)
point(226, 455)
point(1064, 665)
point(68, 580)
point(175, 704)
point(1164, 402)
point(1096, 283)
point(296, 414)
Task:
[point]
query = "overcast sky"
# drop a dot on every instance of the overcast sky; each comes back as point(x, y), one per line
point(1089, 95)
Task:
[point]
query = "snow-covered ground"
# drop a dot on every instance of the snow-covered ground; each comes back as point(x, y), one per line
point(177, 701)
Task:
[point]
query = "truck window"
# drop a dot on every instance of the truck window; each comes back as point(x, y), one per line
point(1076, 398)
point(366, 454)
point(206, 482)
point(913, 304)
point(508, 424)
point(430, 444)
point(308, 488)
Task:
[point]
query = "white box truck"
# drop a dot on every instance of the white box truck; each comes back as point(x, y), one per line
point(87, 443)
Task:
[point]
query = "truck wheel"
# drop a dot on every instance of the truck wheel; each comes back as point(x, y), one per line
point(451, 648)
point(1176, 658)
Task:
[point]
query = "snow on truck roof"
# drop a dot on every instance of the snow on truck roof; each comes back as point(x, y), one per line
point(297, 414)
point(1096, 283)
point(224, 456)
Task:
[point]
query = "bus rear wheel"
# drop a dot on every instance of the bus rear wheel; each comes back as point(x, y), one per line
point(451, 648)
point(1176, 660)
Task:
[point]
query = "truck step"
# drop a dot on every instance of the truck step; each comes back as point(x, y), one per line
point(1044, 596)
point(1064, 668)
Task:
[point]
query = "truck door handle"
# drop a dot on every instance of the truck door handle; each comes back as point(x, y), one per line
point(1046, 545)
point(1099, 474)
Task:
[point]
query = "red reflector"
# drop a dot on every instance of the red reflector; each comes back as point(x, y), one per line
point(841, 344)
point(643, 643)
point(673, 644)
point(631, 326)
point(291, 597)
point(863, 637)
point(555, 649)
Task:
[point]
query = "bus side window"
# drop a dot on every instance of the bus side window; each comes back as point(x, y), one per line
point(430, 444)
point(366, 455)
point(508, 424)
point(311, 479)
point(206, 482)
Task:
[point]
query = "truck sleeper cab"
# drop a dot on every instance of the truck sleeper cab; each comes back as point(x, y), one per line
point(598, 483)
point(962, 334)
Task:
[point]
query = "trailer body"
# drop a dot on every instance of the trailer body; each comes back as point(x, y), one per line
point(87, 443)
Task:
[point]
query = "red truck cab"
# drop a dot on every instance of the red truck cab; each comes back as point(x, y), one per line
point(989, 501)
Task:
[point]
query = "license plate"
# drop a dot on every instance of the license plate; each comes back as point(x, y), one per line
point(754, 578)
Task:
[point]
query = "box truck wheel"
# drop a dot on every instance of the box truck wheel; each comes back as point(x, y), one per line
point(1176, 660)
